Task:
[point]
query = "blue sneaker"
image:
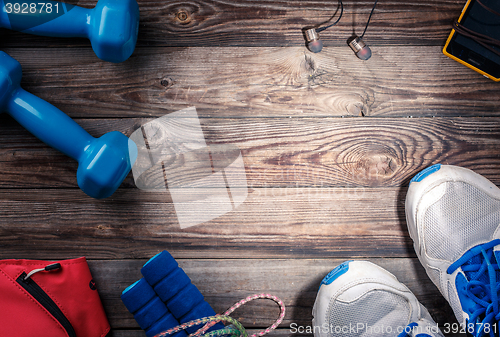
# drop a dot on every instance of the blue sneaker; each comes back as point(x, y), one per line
point(453, 217)
point(361, 299)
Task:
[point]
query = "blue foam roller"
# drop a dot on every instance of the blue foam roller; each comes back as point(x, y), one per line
point(172, 284)
point(159, 267)
point(185, 300)
point(151, 312)
point(165, 323)
point(137, 295)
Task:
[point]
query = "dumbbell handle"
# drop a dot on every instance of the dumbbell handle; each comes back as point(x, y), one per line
point(48, 123)
point(75, 22)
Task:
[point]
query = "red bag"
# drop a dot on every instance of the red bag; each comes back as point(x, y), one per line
point(60, 300)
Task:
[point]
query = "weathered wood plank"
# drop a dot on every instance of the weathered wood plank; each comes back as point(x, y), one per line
point(259, 82)
point(224, 282)
point(272, 23)
point(270, 223)
point(289, 152)
point(275, 222)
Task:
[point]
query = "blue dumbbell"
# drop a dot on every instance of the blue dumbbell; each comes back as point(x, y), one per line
point(149, 311)
point(112, 26)
point(175, 289)
point(103, 162)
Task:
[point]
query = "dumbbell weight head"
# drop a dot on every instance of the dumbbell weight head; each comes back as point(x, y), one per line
point(105, 163)
point(112, 26)
point(114, 29)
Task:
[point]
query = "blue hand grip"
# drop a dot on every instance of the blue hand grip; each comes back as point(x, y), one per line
point(149, 311)
point(112, 26)
point(103, 162)
point(174, 288)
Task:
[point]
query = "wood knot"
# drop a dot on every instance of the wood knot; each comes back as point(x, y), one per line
point(356, 109)
point(372, 163)
point(309, 64)
point(167, 82)
point(187, 15)
point(376, 168)
point(183, 16)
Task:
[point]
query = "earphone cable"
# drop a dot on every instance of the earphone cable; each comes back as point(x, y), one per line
point(483, 40)
point(488, 8)
point(341, 6)
point(369, 18)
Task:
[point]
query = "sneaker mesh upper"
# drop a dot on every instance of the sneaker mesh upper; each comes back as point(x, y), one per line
point(464, 216)
point(367, 315)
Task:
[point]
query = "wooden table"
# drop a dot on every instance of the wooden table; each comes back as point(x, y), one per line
point(329, 144)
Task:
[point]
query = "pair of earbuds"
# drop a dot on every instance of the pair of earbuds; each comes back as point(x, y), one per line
point(358, 46)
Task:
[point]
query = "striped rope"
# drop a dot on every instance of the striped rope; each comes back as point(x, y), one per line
point(239, 330)
point(262, 296)
point(235, 329)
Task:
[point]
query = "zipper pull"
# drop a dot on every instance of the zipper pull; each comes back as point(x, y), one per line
point(50, 267)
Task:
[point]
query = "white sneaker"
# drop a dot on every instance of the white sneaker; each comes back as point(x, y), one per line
point(359, 298)
point(453, 217)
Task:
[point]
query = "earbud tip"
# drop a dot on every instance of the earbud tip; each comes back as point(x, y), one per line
point(364, 54)
point(315, 46)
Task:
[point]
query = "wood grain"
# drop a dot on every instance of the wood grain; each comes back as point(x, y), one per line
point(413, 81)
point(274, 222)
point(208, 23)
point(288, 152)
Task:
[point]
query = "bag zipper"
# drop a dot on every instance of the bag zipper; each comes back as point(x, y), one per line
point(41, 296)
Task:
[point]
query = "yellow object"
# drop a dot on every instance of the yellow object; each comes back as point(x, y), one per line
point(458, 59)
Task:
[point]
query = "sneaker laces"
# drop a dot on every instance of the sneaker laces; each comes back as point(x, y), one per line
point(481, 268)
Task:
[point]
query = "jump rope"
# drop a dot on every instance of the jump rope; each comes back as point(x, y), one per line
point(235, 329)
